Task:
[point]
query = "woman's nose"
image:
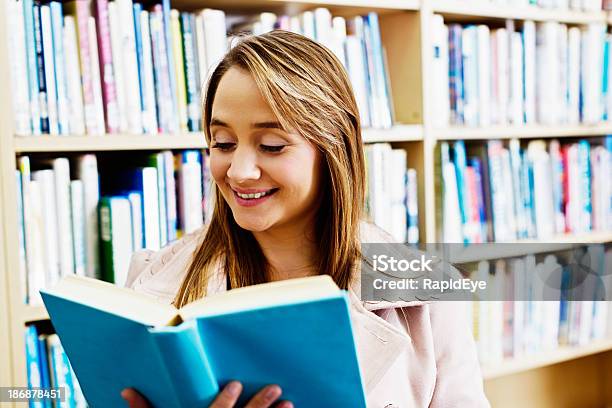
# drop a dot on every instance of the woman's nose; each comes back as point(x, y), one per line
point(244, 166)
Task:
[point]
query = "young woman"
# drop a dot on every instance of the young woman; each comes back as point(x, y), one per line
point(288, 166)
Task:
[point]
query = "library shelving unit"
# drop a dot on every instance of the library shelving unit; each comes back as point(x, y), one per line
point(568, 377)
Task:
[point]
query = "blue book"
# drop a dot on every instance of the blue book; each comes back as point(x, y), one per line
point(295, 333)
point(137, 8)
point(40, 66)
point(460, 162)
point(33, 362)
point(28, 14)
point(44, 367)
point(189, 61)
point(455, 73)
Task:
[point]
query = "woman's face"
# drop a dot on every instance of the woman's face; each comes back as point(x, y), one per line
point(270, 177)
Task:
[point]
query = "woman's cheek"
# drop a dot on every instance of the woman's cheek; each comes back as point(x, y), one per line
point(218, 167)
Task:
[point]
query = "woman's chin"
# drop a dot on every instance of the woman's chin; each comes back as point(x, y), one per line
point(252, 225)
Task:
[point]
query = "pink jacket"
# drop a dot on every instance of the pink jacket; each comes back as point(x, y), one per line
point(411, 354)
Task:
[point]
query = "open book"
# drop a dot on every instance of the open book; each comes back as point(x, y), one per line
point(295, 333)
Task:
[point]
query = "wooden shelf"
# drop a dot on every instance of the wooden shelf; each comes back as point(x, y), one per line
point(398, 133)
point(31, 144)
point(482, 10)
point(340, 7)
point(31, 314)
point(488, 251)
point(520, 132)
point(543, 359)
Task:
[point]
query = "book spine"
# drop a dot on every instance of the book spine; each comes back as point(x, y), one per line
point(190, 191)
point(150, 114)
point(33, 362)
point(96, 82)
point(170, 65)
point(88, 174)
point(23, 271)
point(32, 65)
point(171, 196)
point(60, 68)
point(117, 57)
point(109, 92)
point(77, 207)
point(136, 9)
point(61, 172)
point(162, 78)
point(179, 70)
point(73, 78)
point(19, 78)
point(189, 62)
point(40, 64)
point(131, 82)
point(187, 363)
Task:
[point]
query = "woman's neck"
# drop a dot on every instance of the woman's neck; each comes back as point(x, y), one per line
point(290, 252)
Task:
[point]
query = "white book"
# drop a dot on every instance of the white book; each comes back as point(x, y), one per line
point(469, 55)
point(547, 77)
point(149, 116)
point(601, 194)
point(19, 84)
point(216, 36)
point(356, 68)
point(150, 205)
point(77, 215)
point(267, 21)
point(201, 49)
point(592, 5)
point(511, 219)
point(484, 75)
point(516, 104)
point(396, 161)
point(543, 194)
point(87, 170)
point(592, 60)
point(116, 226)
point(562, 91)
point(117, 53)
point(440, 71)
point(60, 68)
point(190, 190)
point(573, 75)
point(452, 228)
point(339, 34)
point(61, 172)
point(136, 211)
point(308, 24)
point(33, 231)
point(76, 112)
point(98, 104)
point(412, 205)
point(45, 178)
point(502, 41)
point(529, 59)
point(131, 83)
point(48, 52)
point(177, 54)
point(295, 25)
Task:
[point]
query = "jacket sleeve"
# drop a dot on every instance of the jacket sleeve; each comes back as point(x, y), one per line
point(459, 379)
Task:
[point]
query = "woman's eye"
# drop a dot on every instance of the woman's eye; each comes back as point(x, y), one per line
point(223, 146)
point(272, 149)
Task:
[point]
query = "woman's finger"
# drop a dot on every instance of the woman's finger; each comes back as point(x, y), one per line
point(134, 398)
point(265, 397)
point(228, 397)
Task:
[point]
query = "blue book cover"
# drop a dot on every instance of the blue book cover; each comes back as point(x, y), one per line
point(460, 162)
point(33, 362)
point(295, 333)
point(44, 367)
point(189, 61)
point(371, 21)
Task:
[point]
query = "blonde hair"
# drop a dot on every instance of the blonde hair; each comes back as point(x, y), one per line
point(308, 90)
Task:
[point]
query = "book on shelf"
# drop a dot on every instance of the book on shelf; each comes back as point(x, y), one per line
point(182, 358)
point(523, 321)
point(97, 66)
point(391, 194)
point(89, 222)
point(547, 73)
point(507, 192)
point(48, 366)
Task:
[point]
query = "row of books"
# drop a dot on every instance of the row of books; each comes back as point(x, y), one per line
point(99, 66)
point(578, 5)
point(489, 191)
point(95, 67)
point(74, 222)
point(391, 195)
point(547, 73)
point(48, 367)
point(506, 328)
point(355, 41)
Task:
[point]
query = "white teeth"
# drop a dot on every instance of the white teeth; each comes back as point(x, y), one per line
point(251, 196)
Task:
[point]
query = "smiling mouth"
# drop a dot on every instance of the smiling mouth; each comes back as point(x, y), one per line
point(255, 196)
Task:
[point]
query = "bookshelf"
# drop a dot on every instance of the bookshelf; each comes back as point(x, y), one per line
point(405, 30)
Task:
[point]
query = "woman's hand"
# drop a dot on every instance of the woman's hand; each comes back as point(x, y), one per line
point(225, 399)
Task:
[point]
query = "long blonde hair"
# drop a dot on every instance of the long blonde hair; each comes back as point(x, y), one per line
point(308, 89)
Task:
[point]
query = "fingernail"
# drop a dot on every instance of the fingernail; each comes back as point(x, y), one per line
point(286, 404)
point(233, 388)
point(273, 392)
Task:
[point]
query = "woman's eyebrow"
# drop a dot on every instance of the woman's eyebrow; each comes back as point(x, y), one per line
point(267, 125)
point(218, 122)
